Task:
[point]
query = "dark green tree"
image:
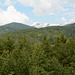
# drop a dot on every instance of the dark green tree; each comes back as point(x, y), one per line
point(60, 39)
point(46, 45)
point(8, 44)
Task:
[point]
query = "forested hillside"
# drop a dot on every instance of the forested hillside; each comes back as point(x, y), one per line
point(11, 27)
point(44, 51)
point(38, 34)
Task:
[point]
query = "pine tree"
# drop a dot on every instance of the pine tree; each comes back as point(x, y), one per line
point(61, 38)
point(24, 43)
point(38, 61)
point(9, 44)
point(46, 46)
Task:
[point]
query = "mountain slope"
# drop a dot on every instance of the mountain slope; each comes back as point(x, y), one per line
point(13, 27)
point(37, 34)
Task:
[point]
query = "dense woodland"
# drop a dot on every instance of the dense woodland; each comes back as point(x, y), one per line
point(38, 51)
point(37, 34)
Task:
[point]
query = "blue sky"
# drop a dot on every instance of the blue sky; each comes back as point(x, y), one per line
point(43, 11)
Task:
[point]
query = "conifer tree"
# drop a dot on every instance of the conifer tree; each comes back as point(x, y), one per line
point(46, 46)
point(60, 40)
point(24, 43)
point(9, 44)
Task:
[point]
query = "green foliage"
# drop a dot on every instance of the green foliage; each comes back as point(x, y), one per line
point(32, 54)
point(8, 44)
point(36, 35)
point(60, 39)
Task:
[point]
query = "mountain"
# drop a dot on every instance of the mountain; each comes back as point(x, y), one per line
point(37, 34)
point(41, 25)
point(13, 27)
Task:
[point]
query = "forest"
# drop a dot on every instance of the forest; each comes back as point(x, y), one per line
point(44, 51)
point(19, 57)
point(37, 37)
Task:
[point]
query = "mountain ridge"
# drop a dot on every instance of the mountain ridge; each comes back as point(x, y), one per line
point(14, 26)
point(38, 33)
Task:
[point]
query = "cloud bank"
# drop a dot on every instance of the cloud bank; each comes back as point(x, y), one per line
point(40, 8)
point(43, 7)
point(12, 15)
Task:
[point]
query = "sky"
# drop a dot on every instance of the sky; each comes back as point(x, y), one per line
point(42, 11)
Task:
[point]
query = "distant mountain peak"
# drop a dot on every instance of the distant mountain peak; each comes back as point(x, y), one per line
point(15, 23)
point(41, 25)
point(14, 26)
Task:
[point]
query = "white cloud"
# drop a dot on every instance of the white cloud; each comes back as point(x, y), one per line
point(70, 13)
point(0, 3)
point(43, 7)
point(51, 14)
point(9, 2)
point(65, 21)
point(73, 6)
point(71, 1)
point(12, 15)
point(72, 20)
